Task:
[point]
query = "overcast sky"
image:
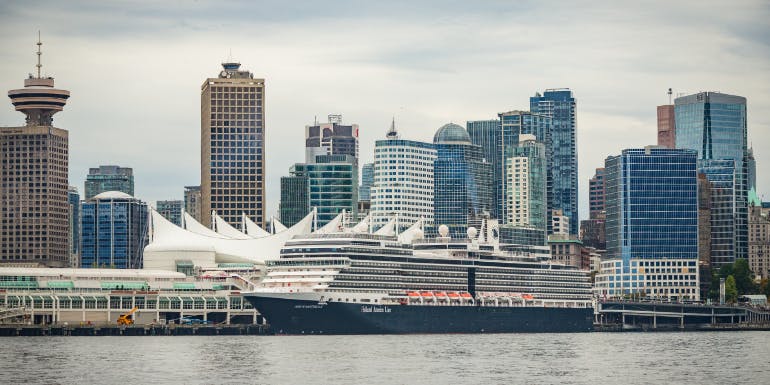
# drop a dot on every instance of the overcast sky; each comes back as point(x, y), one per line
point(135, 70)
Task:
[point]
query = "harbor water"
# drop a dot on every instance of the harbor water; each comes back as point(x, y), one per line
point(588, 358)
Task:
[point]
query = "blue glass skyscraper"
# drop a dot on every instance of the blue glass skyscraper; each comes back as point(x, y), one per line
point(498, 138)
point(367, 180)
point(113, 229)
point(560, 105)
point(463, 180)
point(714, 125)
point(652, 204)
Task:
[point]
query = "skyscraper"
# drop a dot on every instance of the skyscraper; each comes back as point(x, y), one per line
point(526, 203)
point(171, 210)
point(596, 193)
point(367, 180)
point(666, 126)
point(333, 186)
point(109, 178)
point(403, 181)
point(295, 195)
point(561, 107)
point(74, 224)
point(714, 125)
point(113, 228)
point(34, 207)
point(192, 201)
point(462, 180)
point(652, 224)
point(332, 138)
point(498, 138)
point(233, 146)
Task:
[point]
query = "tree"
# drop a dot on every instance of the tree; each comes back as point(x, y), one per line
point(731, 291)
point(764, 287)
point(744, 278)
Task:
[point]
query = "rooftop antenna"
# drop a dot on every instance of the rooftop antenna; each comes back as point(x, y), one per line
point(39, 53)
point(669, 95)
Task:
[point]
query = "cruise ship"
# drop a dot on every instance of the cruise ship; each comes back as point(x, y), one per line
point(354, 282)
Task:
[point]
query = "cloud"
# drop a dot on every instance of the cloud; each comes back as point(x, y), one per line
point(135, 70)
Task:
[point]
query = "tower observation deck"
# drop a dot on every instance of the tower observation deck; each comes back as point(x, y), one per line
point(39, 100)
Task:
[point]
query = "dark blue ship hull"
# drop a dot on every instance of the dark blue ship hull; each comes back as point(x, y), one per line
point(288, 316)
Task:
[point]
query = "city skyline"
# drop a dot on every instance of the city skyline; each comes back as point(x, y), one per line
point(413, 73)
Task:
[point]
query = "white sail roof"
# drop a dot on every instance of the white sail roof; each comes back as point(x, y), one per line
point(388, 229)
point(363, 226)
point(278, 226)
point(170, 239)
point(190, 224)
point(253, 229)
point(414, 231)
point(333, 226)
point(224, 228)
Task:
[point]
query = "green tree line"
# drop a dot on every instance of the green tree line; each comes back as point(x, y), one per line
point(739, 280)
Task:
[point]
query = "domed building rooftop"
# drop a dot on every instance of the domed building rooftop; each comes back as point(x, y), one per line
point(112, 195)
point(451, 133)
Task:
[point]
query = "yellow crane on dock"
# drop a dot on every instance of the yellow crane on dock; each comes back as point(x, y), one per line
point(124, 318)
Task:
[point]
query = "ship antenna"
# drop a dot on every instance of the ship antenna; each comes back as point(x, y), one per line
point(39, 53)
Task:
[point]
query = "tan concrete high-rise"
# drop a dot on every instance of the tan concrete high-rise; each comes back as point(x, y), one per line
point(233, 146)
point(34, 209)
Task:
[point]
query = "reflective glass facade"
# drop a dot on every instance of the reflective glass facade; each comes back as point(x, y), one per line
point(113, 233)
point(463, 179)
point(367, 179)
point(722, 181)
point(74, 201)
point(714, 125)
point(560, 105)
point(333, 186)
point(498, 138)
point(652, 204)
point(295, 198)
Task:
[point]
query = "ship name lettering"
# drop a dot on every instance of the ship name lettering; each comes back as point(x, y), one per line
point(375, 309)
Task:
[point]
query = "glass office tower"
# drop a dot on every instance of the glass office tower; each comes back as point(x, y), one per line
point(652, 204)
point(333, 186)
point(497, 138)
point(113, 229)
point(463, 180)
point(714, 125)
point(367, 180)
point(560, 105)
point(295, 200)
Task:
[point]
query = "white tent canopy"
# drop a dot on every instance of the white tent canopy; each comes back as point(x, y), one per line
point(190, 224)
point(277, 226)
point(224, 228)
point(253, 229)
point(363, 226)
point(333, 226)
point(414, 231)
point(172, 243)
point(388, 229)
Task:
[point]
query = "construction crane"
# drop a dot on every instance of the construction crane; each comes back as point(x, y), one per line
point(124, 318)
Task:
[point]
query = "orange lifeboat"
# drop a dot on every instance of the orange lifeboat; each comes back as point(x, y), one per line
point(439, 294)
point(466, 295)
point(412, 294)
point(426, 294)
point(527, 296)
point(453, 295)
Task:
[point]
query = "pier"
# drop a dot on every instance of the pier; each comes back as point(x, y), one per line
point(616, 316)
